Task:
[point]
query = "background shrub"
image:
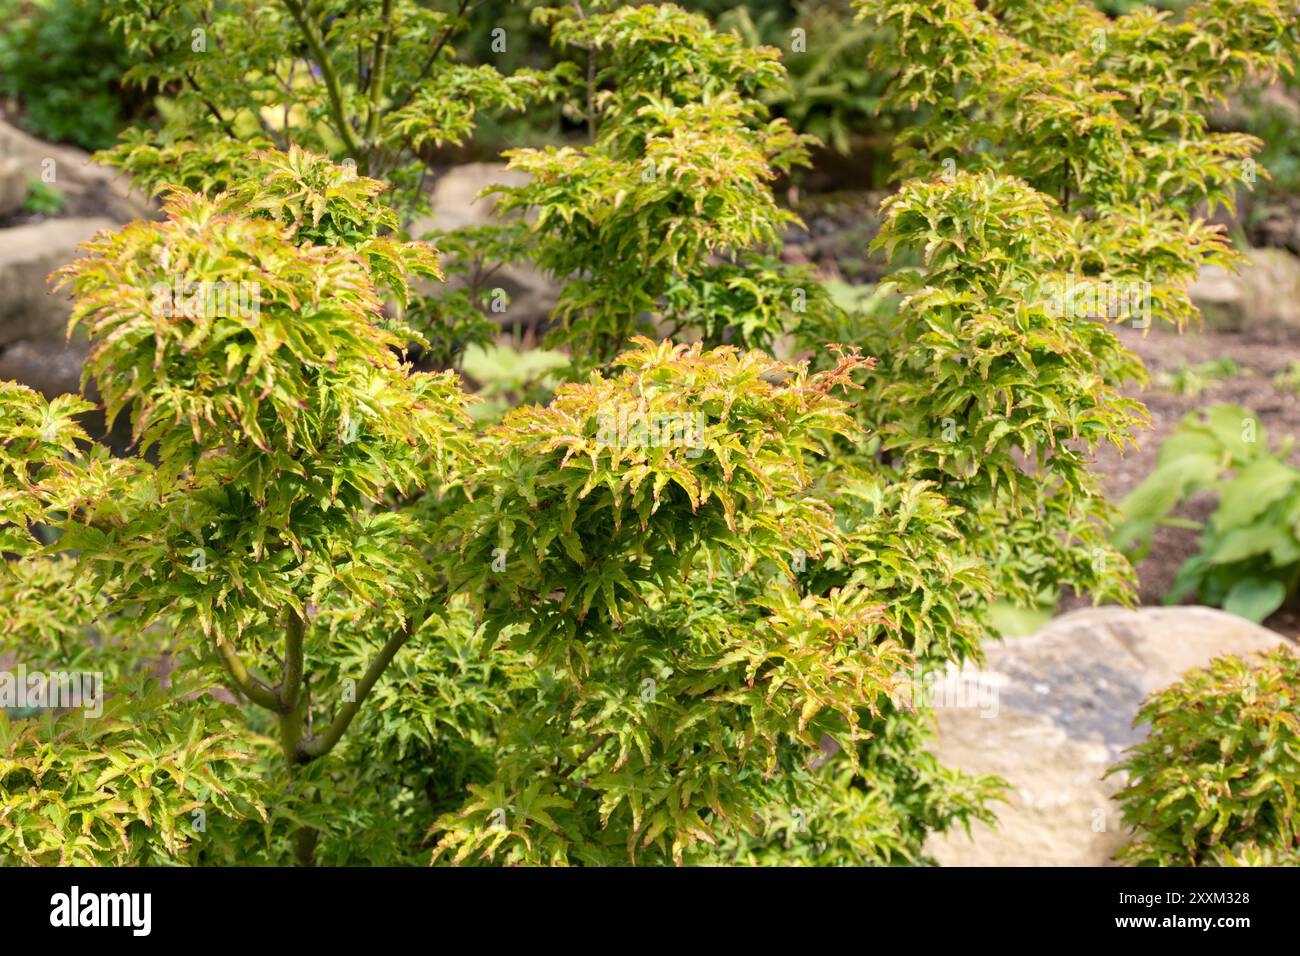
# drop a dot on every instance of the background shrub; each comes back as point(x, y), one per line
point(63, 65)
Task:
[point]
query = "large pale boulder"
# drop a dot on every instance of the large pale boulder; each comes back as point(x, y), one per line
point(455, 195)
point(1263, 297)
point(28, 254)
point(1054, 710)
point(13, 186)
point(87, 184)
point(456, 204)
point(32, 319)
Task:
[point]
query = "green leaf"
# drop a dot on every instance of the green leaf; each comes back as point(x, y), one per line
point(1255, 598)
point(1252, 490)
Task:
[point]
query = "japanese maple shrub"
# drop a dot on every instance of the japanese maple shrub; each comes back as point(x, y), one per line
point(577, 675)
point(303, 504)
point(1215, 781)
point(1062, 166)
point(677, 613)
point(1057, 178)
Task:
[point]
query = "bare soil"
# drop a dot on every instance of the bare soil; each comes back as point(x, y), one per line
point(1163, 350)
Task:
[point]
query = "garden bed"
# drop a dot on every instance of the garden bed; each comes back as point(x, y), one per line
point(1163, 352)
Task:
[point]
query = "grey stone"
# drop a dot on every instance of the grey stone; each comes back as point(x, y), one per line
point(1264, 296)
point(51, 366)
point(28, 254)
point(455, 196)
point(1064, 704)
point(87, 184)
point(13, 185)
point(456, 204)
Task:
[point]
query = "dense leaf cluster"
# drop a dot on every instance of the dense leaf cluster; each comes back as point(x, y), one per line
point(1215, 781)
point(681, 609)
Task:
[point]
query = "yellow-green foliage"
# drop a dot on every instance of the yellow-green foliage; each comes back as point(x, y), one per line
point(1060, 163)
point(1215, 781)
point(676, 612)
point(669, 212)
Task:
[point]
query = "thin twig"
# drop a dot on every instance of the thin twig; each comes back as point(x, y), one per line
point(250, 686)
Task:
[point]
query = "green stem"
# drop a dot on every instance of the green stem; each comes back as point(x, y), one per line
point(250, 686)
point(379, 72)
point(304, 846)
point(291, 735)
point(591, 81)
point(333, 89)
point(446, 35)
point(203, 97)
point(290, 705)
point(319, 744)
point(586, 754)
point(291, 708)
point(291, 677)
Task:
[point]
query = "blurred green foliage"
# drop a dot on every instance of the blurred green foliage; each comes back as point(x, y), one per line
point(43, 199)
point(1194, 380)
point(1249, 559)
point(832, 93)
point(63, 66)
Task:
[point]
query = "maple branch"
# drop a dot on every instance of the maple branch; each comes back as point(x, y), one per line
point(320, 744)
point(333, 89)
point(249, 685)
